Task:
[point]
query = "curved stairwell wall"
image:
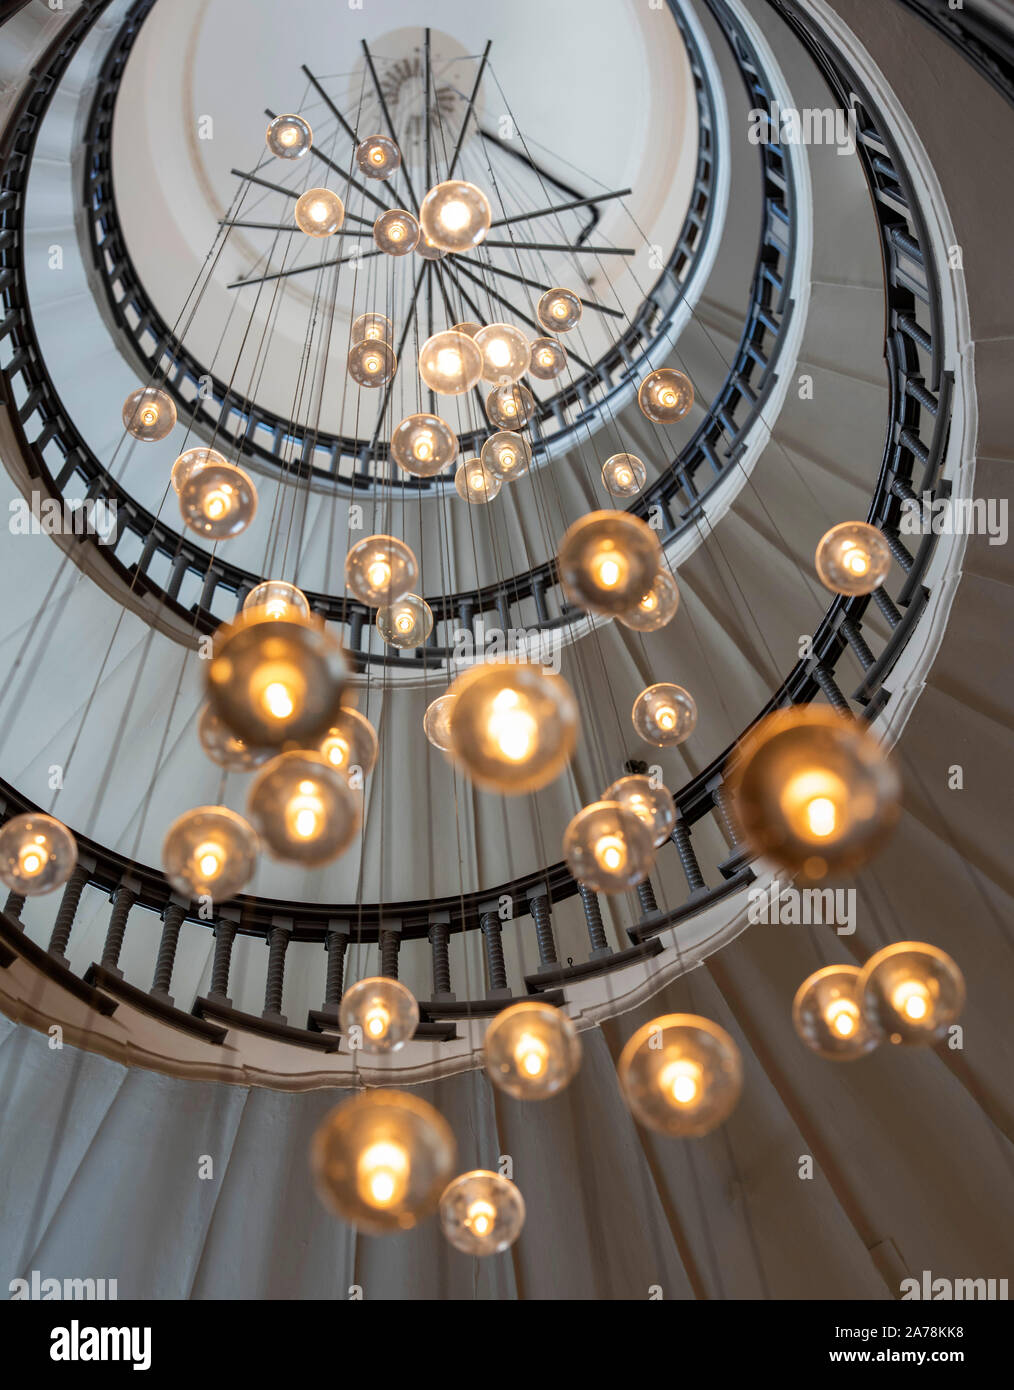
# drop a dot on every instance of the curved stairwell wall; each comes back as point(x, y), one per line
point(910, 1148)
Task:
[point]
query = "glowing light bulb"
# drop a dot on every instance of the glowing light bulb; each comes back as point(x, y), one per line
point(481, 1213)
point(378, 1021)
point(664, 714)
point(149, 414)
point(37, 854)
point(423, 444)
point(532, 1050)
point(33, 858)
point(218, 500)
point(531, 1055)
point(405, 623)
point(379, 570)
point(289, 137)
point(383, 1010)
point(379, 574)
point(608, 847)
point(506, 352)
point(210, 852)
point(383, 1173)
point(277, 700)
point(681, 1075)
point(656, 607)
point(852, 558)
point(607, 561)
point(450, 363)
point(455, 216)
point(304, 808)
point(609, 568)
point(558, 310)
point(665, 395)
point(913, 991)
point(511, 726)
point(610, 852)
point(842, 1017)
point(506, 455)
point(209, 858)
point(480, 1217)
point(682, 1080)
point(350, 742)
point(827, 1016)
point(396, 233)
point(821, 815)
point(319, 212)
point(911, 998)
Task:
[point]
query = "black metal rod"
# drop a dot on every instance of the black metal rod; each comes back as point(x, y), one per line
point(292, 227)
point(342, 173)
point(469, 109)
point(561, 207)
point(264, 183)
point(520, 314)
point(426, 48)
point(353, 136)
point(556, 246)
point(301, 269)
point(390, 123)
point(397, 358)
point(535, 285)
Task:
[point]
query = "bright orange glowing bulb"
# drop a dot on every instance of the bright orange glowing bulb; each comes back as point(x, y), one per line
point(681, 1080)
point(611, 852)
point(277, 700)
point(821, 816)
point(377, 1021)
point(911, 998)
point(383, 1173)
point(531, 1054)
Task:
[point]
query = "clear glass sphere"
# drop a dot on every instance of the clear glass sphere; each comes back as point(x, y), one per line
point(656, 607)
point(437, 722)
point(396, 233)
point(814, 790)
point(275, 598)
point(406, 622)
point(852, 558)
point(375, 327)
point(319, 212)
point(607, 561)
point(549, 359)
point(506, 354)
point(510, 407)
point(371, 362)
point(350, 742)
point(304, 809)
point(289, 137)
point(224, 748)
point(912, 992)
point(37, 854)
point(191, 461)
point(379, 569)
point(482, 1213)
point(275, 681)
point(218, 501)
point(381, 1160)
point(455, 216)
point(210, 852)
point(826, 1014)
point(532, 1050)
point(468, 328)
point(149, 414)
point(506, 455)
point(608, 848)
point(665, 395)
point(474, 482)
point(449, 363)
point(664, 714)
point(652, 805)
point(681, 1075)
point(423, 444)
point(558, 310)
point(383, 1010)
point(513, 726)
point(624, 475)
point(426, 249)
point(378, 157)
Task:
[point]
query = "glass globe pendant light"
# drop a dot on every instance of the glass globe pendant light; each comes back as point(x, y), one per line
point(224, 748)
point(558, 310)
point(827, 1015)
point(149, 414)
point(384, 1013)
point(506, 353)
point(455, 216)
point(371, 362)
point(274, 681)
point(656, 607)
point(210, 852)
point(423, 444)
point(406, 622)
point(664, 714)
point(681, 1075)
point(437, 722)
point(319, 212)
point(475, 483)
point(426, 249)
point(218, 501)
point(608, 848)
point(381, 1160)
point(275, 598)
point(607, 560)
point(468, 328)
point(624, 475)
point(396, 233)
point(549, 359)
point(853, 558)
point(481, 1213)
point(506, 456)
point(513, 726)
point(449, 363)
point(37, 854)
point(912, 991)
point(351, 742)
point(652, 805)
point(375, 327)
point(289, 137)
point(303, 808)
point(378, 157)
point(814, 791)
point(665, 395)
point(191, 461)
point(510, 407)
point(379, 569)
point(532, 1050)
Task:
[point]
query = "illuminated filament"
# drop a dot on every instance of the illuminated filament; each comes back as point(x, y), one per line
point(423, 447)
point(681, 1081)
point(531, 1055)
point(666, 718)
point(383, 1173)
point(609, 568)
point(379, 574)
point(480, 1217)
point(217, 502)
point(336, 750)
point(404, 621)
point(821, 816)
point(377, 1021)
point(277, 700)
point(454, 215)
point(611, 852)
point(306, 812)
point(911, 999)
point(842, 1016)
point(33, 858)
point(149, 415)
point(511, 726)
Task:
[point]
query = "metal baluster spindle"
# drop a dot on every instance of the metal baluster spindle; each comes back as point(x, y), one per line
point(440, 935)
point(831, 690)
point(124, 899)
point(540, 909)
point(495, 966)
point(172, 921)
point(66, 912)
point(225, 935)
point(688, 859)
point(278, 943)
point(596, 927)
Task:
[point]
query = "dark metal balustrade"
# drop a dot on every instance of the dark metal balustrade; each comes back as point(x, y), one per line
point(920, 410)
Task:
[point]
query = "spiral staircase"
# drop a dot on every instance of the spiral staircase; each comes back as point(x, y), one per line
point(850, 333)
